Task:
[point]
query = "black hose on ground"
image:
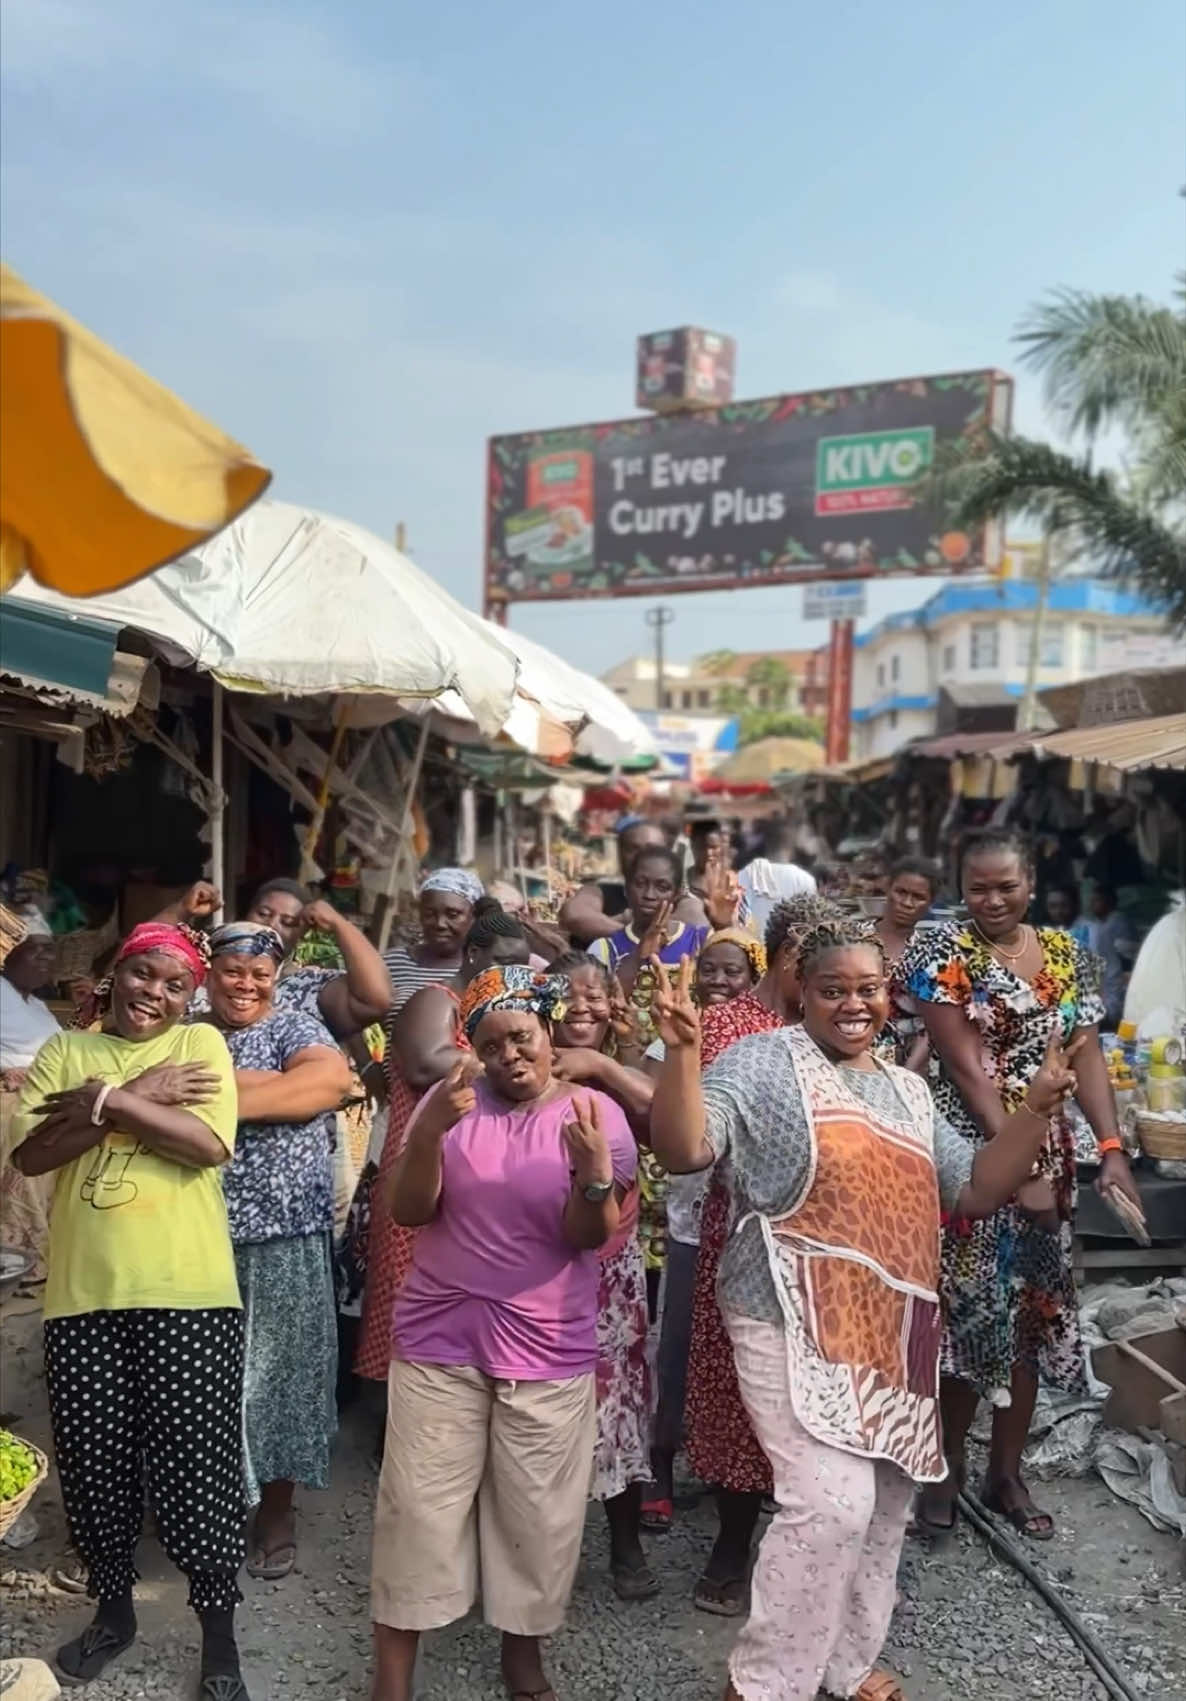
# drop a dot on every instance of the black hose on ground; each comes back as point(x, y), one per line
point(1096, 1656)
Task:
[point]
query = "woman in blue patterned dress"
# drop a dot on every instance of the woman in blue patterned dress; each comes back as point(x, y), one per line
point(291, 1077)
point(991, 990)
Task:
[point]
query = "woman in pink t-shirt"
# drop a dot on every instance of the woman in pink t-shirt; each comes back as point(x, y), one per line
point(514, 1181)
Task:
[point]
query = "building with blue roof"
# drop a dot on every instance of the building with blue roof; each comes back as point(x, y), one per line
point(978, 633)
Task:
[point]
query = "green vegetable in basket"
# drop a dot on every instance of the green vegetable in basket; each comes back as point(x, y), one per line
point(18, 1465)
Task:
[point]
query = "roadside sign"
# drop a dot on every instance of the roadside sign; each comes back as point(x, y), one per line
point(838, 599)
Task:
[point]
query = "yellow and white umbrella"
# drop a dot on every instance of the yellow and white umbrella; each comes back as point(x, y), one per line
point(104, 474)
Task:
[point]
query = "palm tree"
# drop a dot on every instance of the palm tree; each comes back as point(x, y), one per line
point(1110, 363)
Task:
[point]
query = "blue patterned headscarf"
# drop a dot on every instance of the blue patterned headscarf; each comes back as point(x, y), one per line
point(456, 880)
point(247, 939)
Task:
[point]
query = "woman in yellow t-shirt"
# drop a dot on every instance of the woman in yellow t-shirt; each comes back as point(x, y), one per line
point(143, 1325)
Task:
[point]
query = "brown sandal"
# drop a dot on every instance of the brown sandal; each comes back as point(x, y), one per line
point(880, 1686)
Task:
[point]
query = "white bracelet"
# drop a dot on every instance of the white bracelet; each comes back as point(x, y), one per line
point(100, 1103)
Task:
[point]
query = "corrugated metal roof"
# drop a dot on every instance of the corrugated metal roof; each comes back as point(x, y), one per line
point(952, 744)
point(1159, 742)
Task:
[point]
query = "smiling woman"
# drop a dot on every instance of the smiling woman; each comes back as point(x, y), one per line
point(514, 1182)
point(134, 1121)
point(291, 1078)
point(837, 1168)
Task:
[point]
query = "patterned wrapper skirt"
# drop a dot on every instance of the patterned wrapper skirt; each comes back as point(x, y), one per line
point(390, 1248)
point(721, 1445)
point(290, 1413)
point(621, 1455)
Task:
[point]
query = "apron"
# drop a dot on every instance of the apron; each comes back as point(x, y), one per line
point(856, 1268)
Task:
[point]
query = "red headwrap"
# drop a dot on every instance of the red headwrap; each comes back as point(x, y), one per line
point(181, 942)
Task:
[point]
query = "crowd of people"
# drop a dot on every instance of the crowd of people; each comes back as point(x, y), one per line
point(822, 1163)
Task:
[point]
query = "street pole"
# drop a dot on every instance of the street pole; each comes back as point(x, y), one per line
point(1027, 714)
point(657, 620)
point(840, 643)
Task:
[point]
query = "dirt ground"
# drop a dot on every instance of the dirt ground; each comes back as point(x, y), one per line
point(966, 1625)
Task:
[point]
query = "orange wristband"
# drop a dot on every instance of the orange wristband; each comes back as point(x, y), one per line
point(1112, 1144)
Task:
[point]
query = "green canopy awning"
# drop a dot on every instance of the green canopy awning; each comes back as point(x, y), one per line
point(64, 652)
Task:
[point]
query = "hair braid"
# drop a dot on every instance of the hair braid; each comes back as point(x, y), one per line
point(838, 933)
point(792, 915)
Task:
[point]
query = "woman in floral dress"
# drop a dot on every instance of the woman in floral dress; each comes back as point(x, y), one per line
point(586, 1044)
point(992, 990)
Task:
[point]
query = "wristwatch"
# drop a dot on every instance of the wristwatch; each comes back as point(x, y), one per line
point(597, 1192)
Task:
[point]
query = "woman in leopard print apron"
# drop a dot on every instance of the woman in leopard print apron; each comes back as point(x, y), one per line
point(837, 1168)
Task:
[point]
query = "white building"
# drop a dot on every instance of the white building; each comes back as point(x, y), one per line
point(979, 633)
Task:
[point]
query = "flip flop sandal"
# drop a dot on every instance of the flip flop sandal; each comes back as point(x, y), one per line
point(223, 1686)
point(270, 1565)
point(88, 1656)
point(1038, 1526)
point(635, 1582)
point(70, 1576)
point(880, 1686)
point(657, 1516)
point(724, 1597)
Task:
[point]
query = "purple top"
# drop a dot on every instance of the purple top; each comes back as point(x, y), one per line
point(494, 1282)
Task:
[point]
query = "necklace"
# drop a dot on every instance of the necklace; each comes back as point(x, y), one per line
point(1009, 956)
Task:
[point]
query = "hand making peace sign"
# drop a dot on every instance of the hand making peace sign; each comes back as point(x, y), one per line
point(676, 1015)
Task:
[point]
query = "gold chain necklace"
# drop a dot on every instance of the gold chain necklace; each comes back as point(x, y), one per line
point(1009, 956)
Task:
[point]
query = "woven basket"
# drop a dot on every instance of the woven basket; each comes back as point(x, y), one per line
point(10, 1510)
point(1162, 1136)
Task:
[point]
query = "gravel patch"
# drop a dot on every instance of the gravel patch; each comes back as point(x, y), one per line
point(967, 1627)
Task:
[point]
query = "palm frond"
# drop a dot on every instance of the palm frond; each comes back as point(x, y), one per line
point(1123, 537)
point(1106, 359)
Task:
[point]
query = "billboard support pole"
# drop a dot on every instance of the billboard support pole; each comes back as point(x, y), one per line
point(840, 647)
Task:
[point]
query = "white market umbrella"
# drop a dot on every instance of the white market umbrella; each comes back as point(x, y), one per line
point(559, 711)
point(297, 603)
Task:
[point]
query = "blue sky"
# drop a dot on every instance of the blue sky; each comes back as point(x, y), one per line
point(363, 237)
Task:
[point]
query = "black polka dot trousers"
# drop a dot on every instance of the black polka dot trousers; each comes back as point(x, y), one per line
point(151, 1397)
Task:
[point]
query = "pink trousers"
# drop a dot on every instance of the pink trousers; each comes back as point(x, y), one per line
point(826, 1575)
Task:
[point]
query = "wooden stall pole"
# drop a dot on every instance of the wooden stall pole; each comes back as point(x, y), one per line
point(218, 796)
point(404, 830)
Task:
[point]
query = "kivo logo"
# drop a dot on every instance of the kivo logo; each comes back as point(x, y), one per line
point(871, 471)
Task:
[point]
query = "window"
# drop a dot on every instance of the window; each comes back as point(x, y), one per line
point(1088, 649)
point(986, 644)
point(764, 697)
point(667, 699)
point(881, 673)
point(685, 699)
point(895, 668)
point(892, 717)
point(949, 658)
point(1052, 645)
point(704, 699)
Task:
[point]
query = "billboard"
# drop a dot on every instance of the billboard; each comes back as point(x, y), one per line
point(788, 489)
